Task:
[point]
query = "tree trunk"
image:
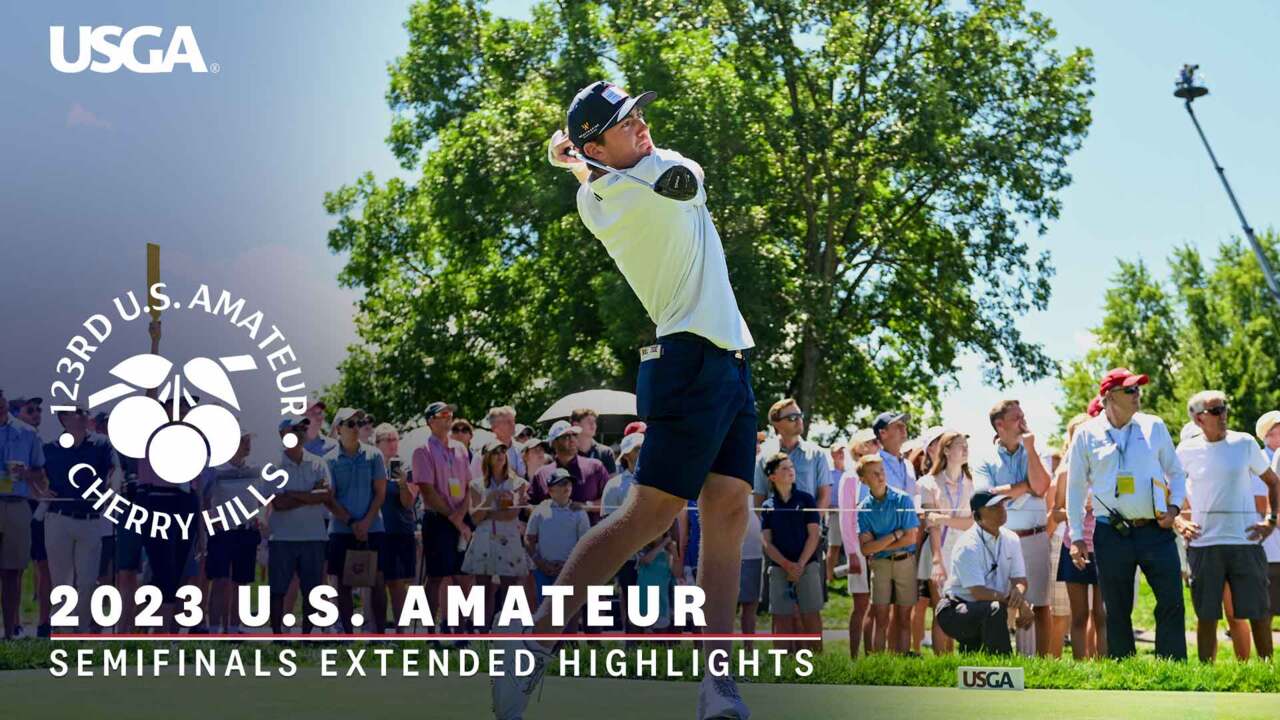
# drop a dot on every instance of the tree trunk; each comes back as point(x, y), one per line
point(807, 393)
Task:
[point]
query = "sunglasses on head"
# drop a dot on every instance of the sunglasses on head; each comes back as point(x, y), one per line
point(1218, 411)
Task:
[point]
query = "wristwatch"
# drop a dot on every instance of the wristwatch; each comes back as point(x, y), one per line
point(1271, 519)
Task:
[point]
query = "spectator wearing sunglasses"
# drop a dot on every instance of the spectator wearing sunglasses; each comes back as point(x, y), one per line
point(811, 463)
point(1126, 460)
point(986, 580)
point(462, 432)
point(1223, 531)
point(359, 489)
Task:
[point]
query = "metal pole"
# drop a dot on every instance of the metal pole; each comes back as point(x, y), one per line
point(1248, 231)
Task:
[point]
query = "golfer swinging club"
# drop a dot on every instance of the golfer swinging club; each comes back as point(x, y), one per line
point(693, 388)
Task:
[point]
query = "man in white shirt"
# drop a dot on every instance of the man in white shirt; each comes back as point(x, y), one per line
point(693, 388)
point(1126, 458)
point(987, 579)
point(1222, 535)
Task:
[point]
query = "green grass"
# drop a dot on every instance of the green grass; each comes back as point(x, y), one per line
point(309, 696)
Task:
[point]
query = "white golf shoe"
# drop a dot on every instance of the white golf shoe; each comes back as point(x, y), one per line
point(511, 693)
point(718, 698)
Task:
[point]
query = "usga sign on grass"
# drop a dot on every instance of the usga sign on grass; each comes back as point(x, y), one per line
point(980, 678)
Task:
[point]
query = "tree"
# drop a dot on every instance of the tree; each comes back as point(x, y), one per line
point(871, 168)
point(1206, 329)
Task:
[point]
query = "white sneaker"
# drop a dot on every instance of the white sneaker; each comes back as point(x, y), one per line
point(718, 698)
point(511, 693)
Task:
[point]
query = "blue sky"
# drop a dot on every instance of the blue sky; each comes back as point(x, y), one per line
point(227, 171)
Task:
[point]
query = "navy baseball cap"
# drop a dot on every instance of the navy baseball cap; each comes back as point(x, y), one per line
point(598, 107)
point(885, 419)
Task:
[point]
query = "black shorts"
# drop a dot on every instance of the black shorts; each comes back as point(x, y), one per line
point(398, 558)
point(440, 546)
point(1243, 567)
point(107, 558)
point(38, 551)
point(232, 554)
point(1273, 587)
point(340, 543)
point(700, 413)
point(1068, 573)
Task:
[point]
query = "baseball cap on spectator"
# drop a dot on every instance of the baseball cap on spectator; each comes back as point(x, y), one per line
point(1120, 378)
point(531, 443)
point(75, 410)
point(288, 424)
point(492, 445)
point(559, 476)
point(1095, 406)
point(631, 442)
point(865, 435)
point(634, 427)
point(383, 430)
point(598, 107)
point(560, 428)
point(1265, 423)
point(436, 408)
point(933, 433)
point(885, 419)
point(838, 445)
point(345, 414)
point(17, 404)
point(522, 431)
point(982, 499)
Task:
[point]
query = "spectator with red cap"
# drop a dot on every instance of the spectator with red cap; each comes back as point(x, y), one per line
point(1122, 456)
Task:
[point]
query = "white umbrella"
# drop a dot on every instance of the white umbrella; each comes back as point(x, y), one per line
point(604, 402)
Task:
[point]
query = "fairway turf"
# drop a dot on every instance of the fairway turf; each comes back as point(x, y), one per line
point(36, 694)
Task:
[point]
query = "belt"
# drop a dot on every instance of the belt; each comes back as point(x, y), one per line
point(1135, 522)
point(76, 514)
point(1029, 532)
point(897, 556)
point(694, 337)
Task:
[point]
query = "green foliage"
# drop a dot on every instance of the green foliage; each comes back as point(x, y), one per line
point(1208, 328)
point(871, 168)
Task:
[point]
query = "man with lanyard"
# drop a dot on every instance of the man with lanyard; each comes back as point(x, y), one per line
point(441, 472)
point(1019, 474)
point(1123, 456)
point(693, 387)
point(890, 429)
point(987, 580)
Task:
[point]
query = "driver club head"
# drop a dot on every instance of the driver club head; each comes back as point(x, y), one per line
point(677, 183)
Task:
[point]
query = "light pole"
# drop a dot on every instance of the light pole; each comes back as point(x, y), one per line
point(1188, 89)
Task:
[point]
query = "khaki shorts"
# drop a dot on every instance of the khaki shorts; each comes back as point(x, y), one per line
point(15, 533)
point(894, 581)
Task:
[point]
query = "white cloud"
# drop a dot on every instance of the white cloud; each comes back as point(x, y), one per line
point(78, 116)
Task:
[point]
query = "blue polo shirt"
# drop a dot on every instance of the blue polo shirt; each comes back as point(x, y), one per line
point(812, 464)
point(1010, 468)
point(899, 473)
point(320, 445)
point(353, 477)
point(94, 450)
point(896, 511)
point(19, 442)
point(789, 525)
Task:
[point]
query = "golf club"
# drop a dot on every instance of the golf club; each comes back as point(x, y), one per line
point(677, 183)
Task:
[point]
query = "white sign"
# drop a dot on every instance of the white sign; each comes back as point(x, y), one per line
point(980, 678)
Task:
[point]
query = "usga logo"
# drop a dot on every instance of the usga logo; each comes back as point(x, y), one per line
point(979, 678)
point(117, 46)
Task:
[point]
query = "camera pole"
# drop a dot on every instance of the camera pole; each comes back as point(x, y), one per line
point(1189, 90)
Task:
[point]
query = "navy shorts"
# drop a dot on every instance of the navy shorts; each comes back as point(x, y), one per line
point(1067, 571)
point(128, 551)
point(398, 558)
point(232, 554)
point(38, 551)
point(696, 401)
